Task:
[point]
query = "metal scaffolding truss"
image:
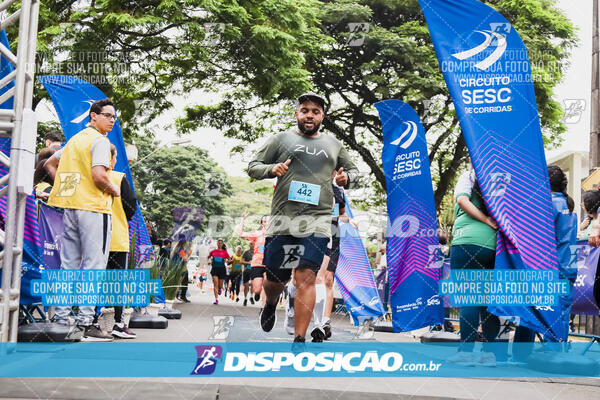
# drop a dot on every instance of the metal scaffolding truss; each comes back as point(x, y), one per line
point(20, 125)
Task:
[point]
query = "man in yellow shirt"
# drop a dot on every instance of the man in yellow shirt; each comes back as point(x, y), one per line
point(83, 189)
point(123, 208)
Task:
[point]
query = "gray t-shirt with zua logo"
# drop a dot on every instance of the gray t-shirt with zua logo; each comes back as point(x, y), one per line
point(308, 178)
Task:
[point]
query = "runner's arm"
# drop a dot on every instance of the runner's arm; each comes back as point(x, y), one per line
point(350, 169)
point(51, 165)
point(465, 204)
point(264, 160)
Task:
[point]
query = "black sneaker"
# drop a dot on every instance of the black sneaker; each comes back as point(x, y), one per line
point(122, 332)
point(93, 333)
point(251, 299)
point(318, 334)
point(256, 296)
point(448, 327)
point(299, 345)
point(327, 329)
point(268, 317)
point(245, 302)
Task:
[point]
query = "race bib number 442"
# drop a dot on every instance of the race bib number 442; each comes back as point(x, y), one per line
point(304, 192)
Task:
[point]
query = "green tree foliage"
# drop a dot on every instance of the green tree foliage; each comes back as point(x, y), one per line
point(396, 59)
point(176, 176)
point(141, 51)
point(257, 55)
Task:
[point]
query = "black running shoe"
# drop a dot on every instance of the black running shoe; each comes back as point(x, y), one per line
point(318, 334)
point(268, 317)
point(448, 327)
point(256, 296)
point(251, 299)
point(299, 345)
point(123, 332)
point(245, 302)
point(327, 329)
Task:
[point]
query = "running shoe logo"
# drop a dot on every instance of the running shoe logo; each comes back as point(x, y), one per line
point(495, 36)
point(207, 359)
point(410, 134)
point(85, 113)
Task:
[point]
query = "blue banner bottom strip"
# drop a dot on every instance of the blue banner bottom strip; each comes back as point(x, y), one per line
point(277, 359)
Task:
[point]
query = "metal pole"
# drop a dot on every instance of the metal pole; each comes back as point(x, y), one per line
point(22, 134)
point(595, 98)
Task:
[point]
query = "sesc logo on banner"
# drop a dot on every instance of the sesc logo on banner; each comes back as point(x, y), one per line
point(486, 69)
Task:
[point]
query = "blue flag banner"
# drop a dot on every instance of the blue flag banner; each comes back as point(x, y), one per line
point(72, 98)
point(355, 277)
point(31, 259)
point(413, 253)
point(52, 230)
point(584, 301)
point(487, 70)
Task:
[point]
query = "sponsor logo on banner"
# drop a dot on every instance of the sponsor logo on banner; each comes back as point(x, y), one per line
point(410, 134)
point(496, 37)
point(434, 300)
point(484, 81)
point(85, 114)
point(357, 308)
point(207, 359)
point(410, 306)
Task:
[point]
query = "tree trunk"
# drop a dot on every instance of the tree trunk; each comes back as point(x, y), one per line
point(449, 173)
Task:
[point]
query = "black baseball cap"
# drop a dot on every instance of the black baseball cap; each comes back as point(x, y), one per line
point(311, 96)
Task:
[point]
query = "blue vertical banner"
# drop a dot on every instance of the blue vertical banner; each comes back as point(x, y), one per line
point(72, 98)
point(31, 259)
point(354, 275)
point(487, 71)
point(413, 253)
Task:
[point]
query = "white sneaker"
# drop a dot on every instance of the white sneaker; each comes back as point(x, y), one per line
point(487, 359)
point(464, 359)
point(289, 321)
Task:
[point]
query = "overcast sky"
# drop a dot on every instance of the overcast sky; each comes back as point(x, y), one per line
point(577, 79)
point(575, 88)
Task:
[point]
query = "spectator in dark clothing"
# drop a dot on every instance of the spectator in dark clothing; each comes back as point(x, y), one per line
point(123, 209)
point(53, 142)
point(152, 233)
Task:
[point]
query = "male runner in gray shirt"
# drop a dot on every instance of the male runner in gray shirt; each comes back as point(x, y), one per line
point(303, 160)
